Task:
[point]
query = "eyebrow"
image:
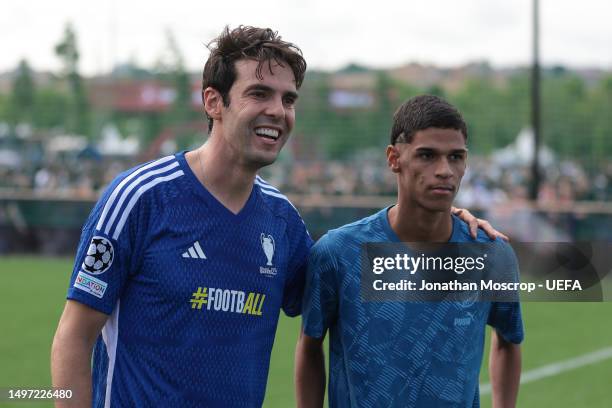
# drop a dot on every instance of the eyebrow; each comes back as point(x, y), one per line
point(266, 88)
point(431, 149)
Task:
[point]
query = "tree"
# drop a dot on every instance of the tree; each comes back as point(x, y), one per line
point(564, 127)
point(23, 94)
point(170, 69)
point(494, 115)
point(78, 119)
point(599, 106)
point(50, 108)
point(5, 107)
point(313, 131)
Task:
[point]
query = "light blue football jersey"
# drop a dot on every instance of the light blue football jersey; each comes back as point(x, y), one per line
point(392, 353)
point(193, 291)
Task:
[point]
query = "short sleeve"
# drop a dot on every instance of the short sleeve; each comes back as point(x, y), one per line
point(104, 257)
point(506, 317)
point(321, 290)
point(300, 244)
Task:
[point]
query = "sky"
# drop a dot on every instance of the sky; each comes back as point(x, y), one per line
point(331, 33)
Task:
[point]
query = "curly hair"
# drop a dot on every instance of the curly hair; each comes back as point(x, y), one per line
point(246, 42)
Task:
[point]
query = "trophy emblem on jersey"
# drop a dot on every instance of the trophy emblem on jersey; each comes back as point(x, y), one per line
point(267, 243)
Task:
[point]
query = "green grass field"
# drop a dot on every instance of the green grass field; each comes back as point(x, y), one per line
point(32, 293)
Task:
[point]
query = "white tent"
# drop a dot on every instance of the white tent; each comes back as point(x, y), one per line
point(521, 152)
point(112, 144)
point(66, 143)
point(9, 158)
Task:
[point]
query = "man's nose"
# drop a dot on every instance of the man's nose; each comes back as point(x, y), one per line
point(275, 108)
point(443, 168)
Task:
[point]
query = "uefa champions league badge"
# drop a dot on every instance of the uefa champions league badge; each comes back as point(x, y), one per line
point(268, 246)
point(99, 257)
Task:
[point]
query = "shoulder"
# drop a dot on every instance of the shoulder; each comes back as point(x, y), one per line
point(145, 176)
point(497, 249)
point(364, 230)
point(461, 232)
point(278, 203)
point(349, 237)
point(128, 188)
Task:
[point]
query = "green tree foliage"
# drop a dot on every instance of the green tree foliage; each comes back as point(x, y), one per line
point(50, 108)
point(5, 107)
point(494, 118)
point(340, 132)
point(170, 69)
point(600, 107)
point(563, 123)
point(576, 119)
point(313, 114)
point(22, 95)
point(43, 107)
point(78, 113)
point(576, 115)
point(437, 90)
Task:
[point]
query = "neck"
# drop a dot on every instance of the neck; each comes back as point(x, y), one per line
point(417, 224)
point(228, 182)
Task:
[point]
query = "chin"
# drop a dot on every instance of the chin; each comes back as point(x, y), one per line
point(438, 206)
point(261, 160)
point(440, 209)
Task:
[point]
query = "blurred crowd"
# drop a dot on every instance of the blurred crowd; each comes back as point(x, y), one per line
point(484, 184)
point(563, 182)
point(73, 177)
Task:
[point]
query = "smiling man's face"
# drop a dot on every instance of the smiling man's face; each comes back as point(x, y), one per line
point(261, 112)
point(429, 168)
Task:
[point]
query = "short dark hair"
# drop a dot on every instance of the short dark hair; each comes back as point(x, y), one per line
point(245, 42)
point(422, 112)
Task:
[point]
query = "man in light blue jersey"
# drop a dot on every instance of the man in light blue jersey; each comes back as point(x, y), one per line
point(186, 261)
point(398, 353)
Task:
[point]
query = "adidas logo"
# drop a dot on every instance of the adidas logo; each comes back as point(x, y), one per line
point(194, 251)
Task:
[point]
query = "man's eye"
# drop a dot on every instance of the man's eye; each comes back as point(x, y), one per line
point(425, 156)
point(289, 100)
point(456, 157)
point(258, 94)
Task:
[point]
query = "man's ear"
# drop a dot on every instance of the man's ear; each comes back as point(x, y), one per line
point(213, 102)
point(393, 155)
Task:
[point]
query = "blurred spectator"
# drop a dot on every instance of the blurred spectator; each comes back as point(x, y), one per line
point(484, 184)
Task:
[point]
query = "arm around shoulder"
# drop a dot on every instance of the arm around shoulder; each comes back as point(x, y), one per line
point(71, 352)
point(309, 372)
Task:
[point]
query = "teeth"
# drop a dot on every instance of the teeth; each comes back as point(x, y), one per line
point(273, 133)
